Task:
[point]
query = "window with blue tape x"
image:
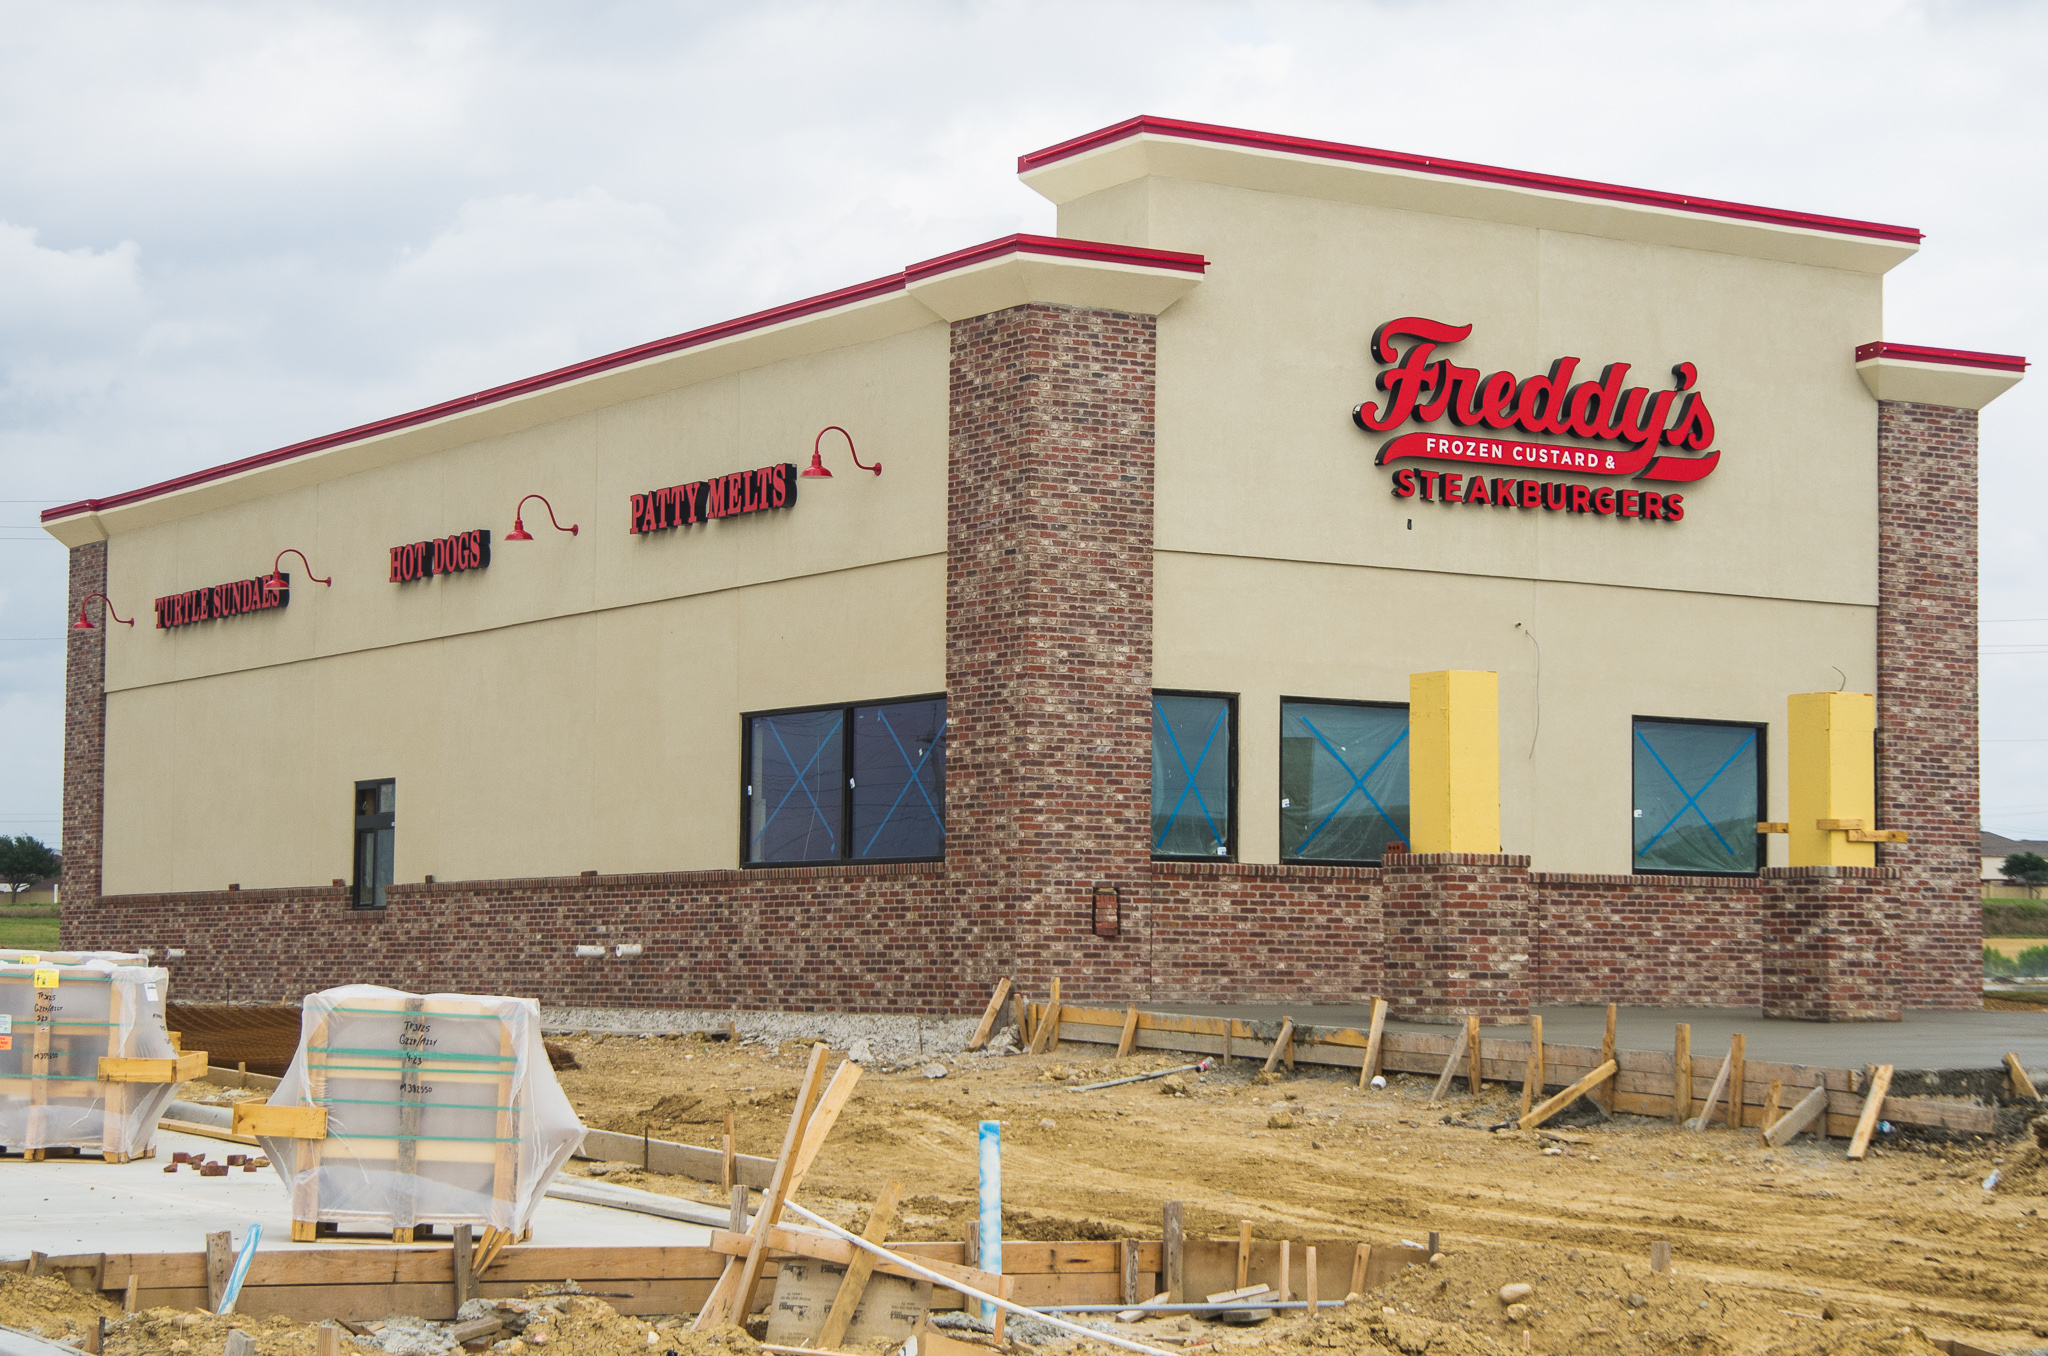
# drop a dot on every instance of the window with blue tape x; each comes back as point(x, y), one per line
point(847, 783)
point(1192, 775)
point(1698, 796)
point(1343, 780)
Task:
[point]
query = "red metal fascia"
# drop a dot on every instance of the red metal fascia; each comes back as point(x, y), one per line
point(589, 367)
point(1952, 357)
point(1460, 169)
point(1094, 251)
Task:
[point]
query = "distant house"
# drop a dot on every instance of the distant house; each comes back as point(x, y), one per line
point(42, 892)
point(1996, 849)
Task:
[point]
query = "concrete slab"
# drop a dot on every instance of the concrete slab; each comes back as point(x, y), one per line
point(1924, 1040)
point(88, 1206)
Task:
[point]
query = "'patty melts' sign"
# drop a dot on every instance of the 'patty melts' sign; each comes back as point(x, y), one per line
point(727, 496)
point(221, 601)
point(1662, 435)
point(441, 555)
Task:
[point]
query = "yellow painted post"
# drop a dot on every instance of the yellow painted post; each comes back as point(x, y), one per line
point(1454, 761)
point(1833, 764)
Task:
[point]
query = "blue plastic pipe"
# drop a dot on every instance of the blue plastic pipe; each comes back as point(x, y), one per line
point(991, 1245)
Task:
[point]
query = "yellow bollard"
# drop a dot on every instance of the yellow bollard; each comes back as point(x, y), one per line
point(1833, 765)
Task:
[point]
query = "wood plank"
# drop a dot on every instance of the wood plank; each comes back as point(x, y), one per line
point(1173, 1253)
point(1700, 1121)
point(1375, 1037)
point(1738, 1051)
point(980, 1038)
point(1129, 1033)
point(1450, 1069)
point(288, 1122)
point(678, 1160)
point(1532, 1075)
point(1770, 1116)
point(1475, 1080)
point(1047, 1035)
point(799, 1241)
point(2022, 1086)
point(880, 1218)
point(1606, 1096)
point(1802, 1115)
point(1280, 1043)
point(220, 1260)
point(1023, 1012)
point(1564, 1099)
point(112, 1069)
point(1866, 1125)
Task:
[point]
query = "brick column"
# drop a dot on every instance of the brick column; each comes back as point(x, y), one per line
point(1049, 636)
point(85, 732)
point(1830, 950)
point(1927, 695)
point(1460, 935)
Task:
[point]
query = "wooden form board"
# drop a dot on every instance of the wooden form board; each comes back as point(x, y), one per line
point(1643, 1086)
point(359, 1283)
point(680, 1160)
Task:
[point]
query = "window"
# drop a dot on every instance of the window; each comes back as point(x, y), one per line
point(374, 814)
point(1343, 780)
point(846, 783)
point(1194, 775)
point(1699, 792)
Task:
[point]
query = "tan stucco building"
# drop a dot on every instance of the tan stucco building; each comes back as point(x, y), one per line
point(1161, 534)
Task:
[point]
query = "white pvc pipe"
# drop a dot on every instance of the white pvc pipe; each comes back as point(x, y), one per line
point(991, 1240)
point(1050, 1320)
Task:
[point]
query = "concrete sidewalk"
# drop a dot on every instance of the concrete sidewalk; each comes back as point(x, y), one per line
point(1924, 1040)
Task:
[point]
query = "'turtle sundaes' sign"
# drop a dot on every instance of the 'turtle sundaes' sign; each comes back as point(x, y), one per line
point(1427, 389)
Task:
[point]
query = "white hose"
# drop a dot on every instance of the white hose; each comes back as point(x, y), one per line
point(1050, 1320)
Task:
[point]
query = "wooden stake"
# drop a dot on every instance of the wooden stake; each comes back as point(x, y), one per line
point(863, 1264)
point(465, 1279)
point(1532, 1080)
point(1473, 1081)
point(1023, 1011)
point(1568, 1096)
point(1443, 1082)
point(1770, 1116)
point(1880, 1084)
point(328, 1340)
point(1436, 1241)
point(1606, 1096)
point(735, 1288)
point(1173, 1277)
point(1738, 1047)
point(1047, 1037)
point(1286, 1271)
point(1699, 1122)
point(1280, 1044)
point(1359, 1264)
point(1681, 1074)
point(1308, 1280)
point(1129, 1038)
point(1660, 1255)
point(981, 1033)
point(1244, 1253)
point(128, 1294)
point(738, 1209)
point(1373, 1037)
point(220, 1260)
point(725, 1166)
point(1128, 1251)
point(1002, 1314)
point(2022, 1086)
point(1788, 1126)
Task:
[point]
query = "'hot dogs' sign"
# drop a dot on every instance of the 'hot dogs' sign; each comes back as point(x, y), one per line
point(1652, 435)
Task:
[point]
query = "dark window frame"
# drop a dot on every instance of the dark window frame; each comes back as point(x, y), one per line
point(1763, 794)
point(371, 824)
point(1278, 811)
point(845, 825)
point(1230, 699)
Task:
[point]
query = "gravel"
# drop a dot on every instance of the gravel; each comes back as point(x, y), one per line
point(889, 1039)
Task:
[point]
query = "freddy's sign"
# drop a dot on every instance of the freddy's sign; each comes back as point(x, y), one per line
point(1650, 435)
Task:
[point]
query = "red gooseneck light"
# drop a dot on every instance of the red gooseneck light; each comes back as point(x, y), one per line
point(817, 466)
point(84, 623)
point(276, 583)
point(519, 532)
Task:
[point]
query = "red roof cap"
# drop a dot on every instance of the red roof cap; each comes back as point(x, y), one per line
point(1458, 169)
point(1953, 357)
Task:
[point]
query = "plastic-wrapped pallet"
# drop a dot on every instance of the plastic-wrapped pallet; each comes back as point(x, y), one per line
point(85, 1060)
point(401, 1110)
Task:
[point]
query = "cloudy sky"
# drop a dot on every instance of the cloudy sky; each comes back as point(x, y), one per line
point(226, 227)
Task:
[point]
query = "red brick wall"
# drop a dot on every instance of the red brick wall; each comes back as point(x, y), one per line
point(1049, 633)
point(85, 730)
point(1460, 934)
point(1927, 695)
point(1674, 941)
point(1830, 952)
point(1228, 932)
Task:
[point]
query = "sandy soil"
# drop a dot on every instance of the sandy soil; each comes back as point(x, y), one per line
point(1908, 1236)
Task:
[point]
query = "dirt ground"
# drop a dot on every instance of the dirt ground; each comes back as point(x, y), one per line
point(1759, 1237)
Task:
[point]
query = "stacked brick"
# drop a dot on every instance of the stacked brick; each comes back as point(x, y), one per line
point(1678, 941)
point(1927, 772)
point(1239, 932)
point(1460, 936)
point(1830, 952)
point(85, 731)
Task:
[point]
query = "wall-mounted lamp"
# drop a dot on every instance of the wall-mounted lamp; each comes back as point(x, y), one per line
point(1108, 910)
point(84, 623)
point(277, 583)
point(817, 466)
point(519, 532)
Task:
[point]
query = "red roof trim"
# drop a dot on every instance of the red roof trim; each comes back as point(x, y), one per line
point(795, 310)
point(1459, 169)
point(1091, 250)
point(1952, 357)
